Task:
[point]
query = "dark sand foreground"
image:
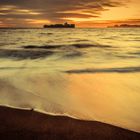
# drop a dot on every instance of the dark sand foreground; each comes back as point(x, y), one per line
point(18, 124)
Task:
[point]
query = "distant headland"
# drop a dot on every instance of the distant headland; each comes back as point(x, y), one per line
point(125, 26)
point(65, 25)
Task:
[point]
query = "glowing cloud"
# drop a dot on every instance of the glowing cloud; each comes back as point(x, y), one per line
point(82, 12)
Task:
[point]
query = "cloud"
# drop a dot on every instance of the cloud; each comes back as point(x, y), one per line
point(53, 10)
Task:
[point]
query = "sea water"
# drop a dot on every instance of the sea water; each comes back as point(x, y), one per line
point(90, 74)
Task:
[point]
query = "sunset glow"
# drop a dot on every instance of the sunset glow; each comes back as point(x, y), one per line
point(84, 13)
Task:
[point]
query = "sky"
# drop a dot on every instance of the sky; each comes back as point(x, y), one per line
point(84, 13)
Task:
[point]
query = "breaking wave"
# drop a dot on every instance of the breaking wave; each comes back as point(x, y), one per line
point(66, 46)
point(105, 70)
point(24, 54)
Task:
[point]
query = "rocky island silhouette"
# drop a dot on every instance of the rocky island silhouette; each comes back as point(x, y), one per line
point(65, 25)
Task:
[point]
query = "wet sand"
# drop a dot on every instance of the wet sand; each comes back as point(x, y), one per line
point(28, 125)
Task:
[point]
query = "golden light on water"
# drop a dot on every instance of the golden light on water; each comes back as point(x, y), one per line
point(111, 98)
point(107, 97)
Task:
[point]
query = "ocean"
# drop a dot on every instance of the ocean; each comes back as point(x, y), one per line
point(84, 73)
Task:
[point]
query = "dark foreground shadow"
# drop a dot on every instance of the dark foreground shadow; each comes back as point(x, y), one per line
point(18, 124)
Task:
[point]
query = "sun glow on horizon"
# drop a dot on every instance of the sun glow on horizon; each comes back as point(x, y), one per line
point(83, 14)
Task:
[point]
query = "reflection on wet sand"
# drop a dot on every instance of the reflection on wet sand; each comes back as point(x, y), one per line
point(111, 98)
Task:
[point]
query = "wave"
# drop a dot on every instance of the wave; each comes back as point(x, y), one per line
point(127, 56)
point(10, 68)
point(83, 45)
point(24, 54)
point(105, 70)
point(135, 53)
point(20, 68)
point(42, 47)
point(73, 55)
point(46, 34)
point(13, 95)
point(79, 40)
point(89, 45)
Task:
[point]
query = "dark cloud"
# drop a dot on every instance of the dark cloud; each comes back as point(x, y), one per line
point(53, 10)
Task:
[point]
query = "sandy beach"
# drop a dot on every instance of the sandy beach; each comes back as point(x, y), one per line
point(28, 124)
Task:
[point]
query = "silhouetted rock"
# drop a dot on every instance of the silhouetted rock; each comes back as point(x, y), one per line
point(65, 25)
point(125, 26)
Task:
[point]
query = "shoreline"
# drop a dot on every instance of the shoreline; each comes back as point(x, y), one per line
point(29, 124)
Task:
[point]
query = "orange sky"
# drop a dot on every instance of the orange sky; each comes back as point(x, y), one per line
point(84, 13)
